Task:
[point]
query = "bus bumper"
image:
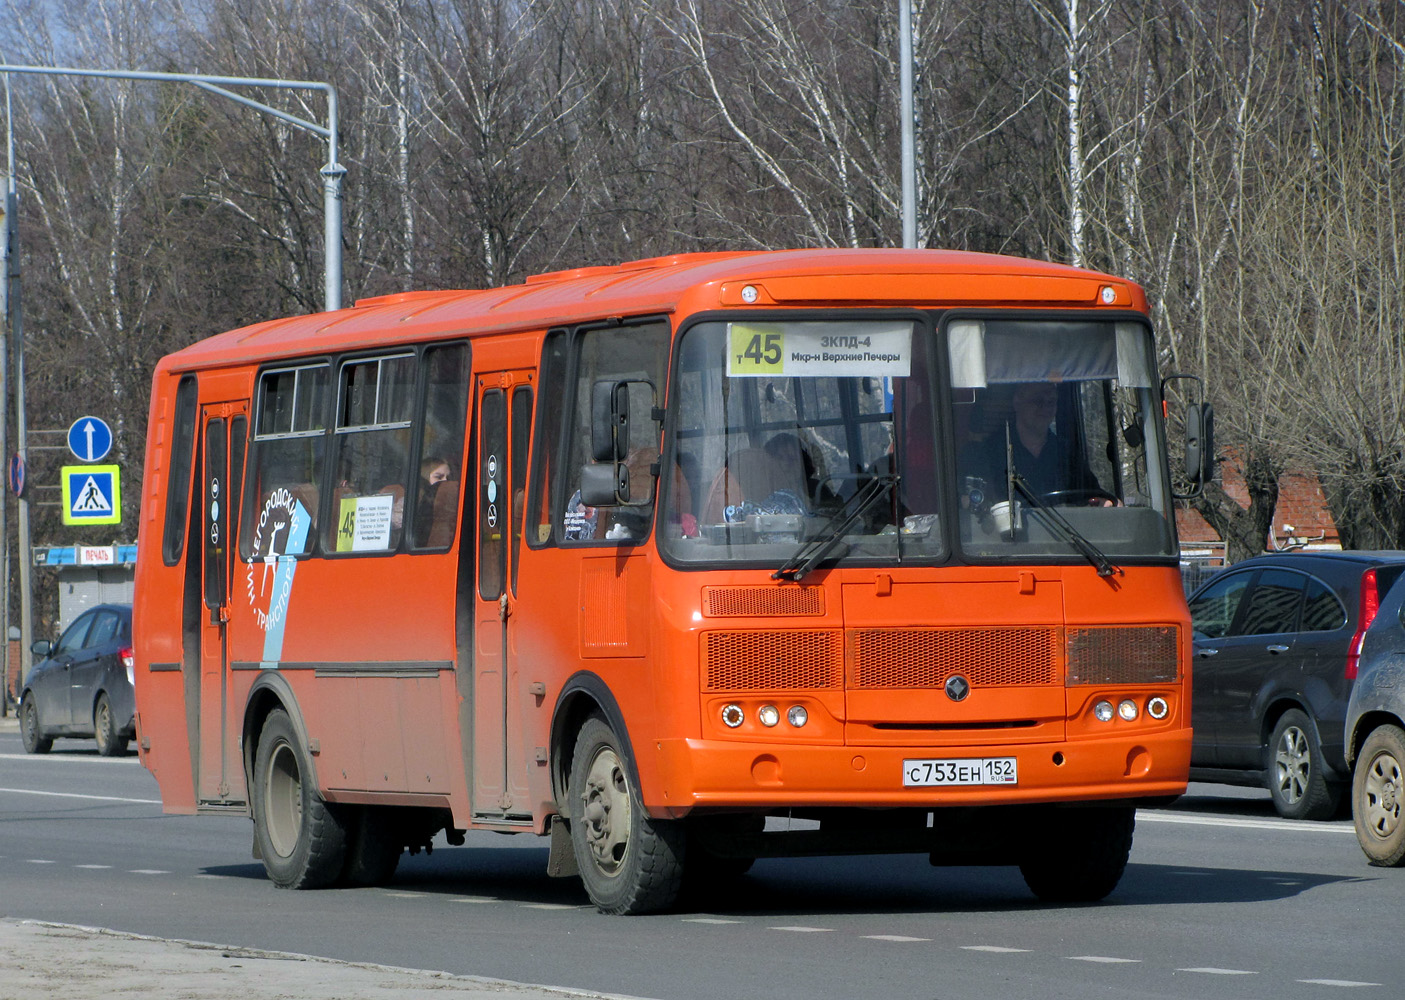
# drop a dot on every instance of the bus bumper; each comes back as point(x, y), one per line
point(713, 774)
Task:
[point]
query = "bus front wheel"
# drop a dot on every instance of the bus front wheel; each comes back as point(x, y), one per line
point(1077, 855)
point(301, 839)
point(629, 862)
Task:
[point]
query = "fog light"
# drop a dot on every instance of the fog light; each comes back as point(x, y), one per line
point(769, 715)
point(1157, 707)
point(797, 716)
point(1102, 711)
point(1127, 709)
point(732, 715)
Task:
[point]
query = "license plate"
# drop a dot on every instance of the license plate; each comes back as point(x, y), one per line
point(971, 771)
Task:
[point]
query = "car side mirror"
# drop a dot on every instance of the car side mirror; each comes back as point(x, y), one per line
point(42, 647)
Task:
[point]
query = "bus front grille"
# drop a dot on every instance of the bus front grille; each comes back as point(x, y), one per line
point(1123, 655)
point(739, 602)
point(925, 658)
point(773, 661)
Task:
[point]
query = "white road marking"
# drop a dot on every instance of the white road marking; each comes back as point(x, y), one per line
point(475, 899)
point(1294, 826)
point(1103, 959)
point(39, 861)
point(146, 871)
point(708, 920)
point(900, 938)
point(406, 895)
point(1335, 982)
point(804, 930)
point(92, 866)
point(993, 948)
point(75, 795)
point(212, 876)
point(1211, 971)
point(65, 758)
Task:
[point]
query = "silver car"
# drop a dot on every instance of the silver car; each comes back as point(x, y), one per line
point(83, 686)
point(1375, 736)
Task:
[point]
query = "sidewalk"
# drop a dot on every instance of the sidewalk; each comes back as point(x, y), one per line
point(42, 961)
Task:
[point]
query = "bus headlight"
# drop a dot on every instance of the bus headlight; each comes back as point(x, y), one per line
point(1127, 708)
point(797, 716)
point(732, 715)
point(768, 715)
point(1102, 711)
point(1157, 708)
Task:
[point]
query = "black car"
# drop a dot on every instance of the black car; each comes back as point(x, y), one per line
point(1277, 639)
point(83, 687)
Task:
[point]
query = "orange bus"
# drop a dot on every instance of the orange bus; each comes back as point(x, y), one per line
point(637, 557)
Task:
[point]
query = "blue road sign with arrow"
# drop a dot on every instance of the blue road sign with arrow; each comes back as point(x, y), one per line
point(90, 439)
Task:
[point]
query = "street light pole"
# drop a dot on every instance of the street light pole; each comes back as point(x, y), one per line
point(909, 142)
point(332, 173)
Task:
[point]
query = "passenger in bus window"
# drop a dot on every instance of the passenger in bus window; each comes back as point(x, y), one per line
point(433, 471)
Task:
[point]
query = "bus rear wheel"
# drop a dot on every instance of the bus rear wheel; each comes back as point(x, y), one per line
point(301, 838)
point(1081, 852)
point(629, 862)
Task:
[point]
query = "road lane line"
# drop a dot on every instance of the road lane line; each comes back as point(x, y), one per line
point(804, 930)
point(39, 861)
point(146, 871)
point(1211, 971)
point(994, 949)
point(62, 758)
point(95, 867)
point(708, 920)
point(1335, 982)
point(1157, 816)
point(1103, 959)
point(75, 795)
point(900, 938)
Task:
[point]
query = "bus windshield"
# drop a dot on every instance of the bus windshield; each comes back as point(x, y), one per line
point(793, 437)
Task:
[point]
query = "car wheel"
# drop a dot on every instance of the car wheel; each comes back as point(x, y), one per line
point(629, 862)
point(301, 838)
point(34, 742)
point(1081, 853)
point(1376, 790)
point(1296, 777)
point(110, 744)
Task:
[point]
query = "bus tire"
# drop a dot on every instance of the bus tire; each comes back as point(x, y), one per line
point(1082, 852)
point(1377, 787)
point(105, 730)
point(629, 862)
point(373, 847)
point(301, 838)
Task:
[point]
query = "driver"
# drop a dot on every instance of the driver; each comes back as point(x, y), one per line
point(1047, 463)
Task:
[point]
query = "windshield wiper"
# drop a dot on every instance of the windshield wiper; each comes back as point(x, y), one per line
point(808, 556)
point(1070, 534)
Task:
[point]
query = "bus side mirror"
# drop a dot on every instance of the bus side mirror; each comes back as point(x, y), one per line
point(605, 484)
point(1200, 443)
point(609, 420)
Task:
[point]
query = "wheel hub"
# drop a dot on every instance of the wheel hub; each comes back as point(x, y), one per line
point(1383, 787)
point(1292, 763)
point(605, 809)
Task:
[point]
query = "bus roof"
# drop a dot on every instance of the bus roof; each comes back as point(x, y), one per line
point(684, 282)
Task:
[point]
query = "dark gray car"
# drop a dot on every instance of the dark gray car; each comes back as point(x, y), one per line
point(83, 686)
point(1375, 727)
point(1276, 644)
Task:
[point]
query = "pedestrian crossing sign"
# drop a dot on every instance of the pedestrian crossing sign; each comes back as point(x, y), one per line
point(92, 494)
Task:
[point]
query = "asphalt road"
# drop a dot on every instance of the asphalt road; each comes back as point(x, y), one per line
point(1222, 899)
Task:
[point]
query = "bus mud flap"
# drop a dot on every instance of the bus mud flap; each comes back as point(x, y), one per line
point(561, 863)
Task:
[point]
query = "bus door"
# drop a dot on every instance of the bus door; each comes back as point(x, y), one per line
point(224, 431)
point(501, 449)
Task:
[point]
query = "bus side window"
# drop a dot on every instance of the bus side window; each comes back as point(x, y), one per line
point(548, 440)
point(375, 408)
point(633, 353)
point(286, 466)
point(178, 474)
point(433, 501)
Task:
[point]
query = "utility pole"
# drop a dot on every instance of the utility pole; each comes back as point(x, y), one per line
point(909, 141)
point(5, 434)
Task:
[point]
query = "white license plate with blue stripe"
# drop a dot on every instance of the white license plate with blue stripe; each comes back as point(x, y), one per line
point(967, 771)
